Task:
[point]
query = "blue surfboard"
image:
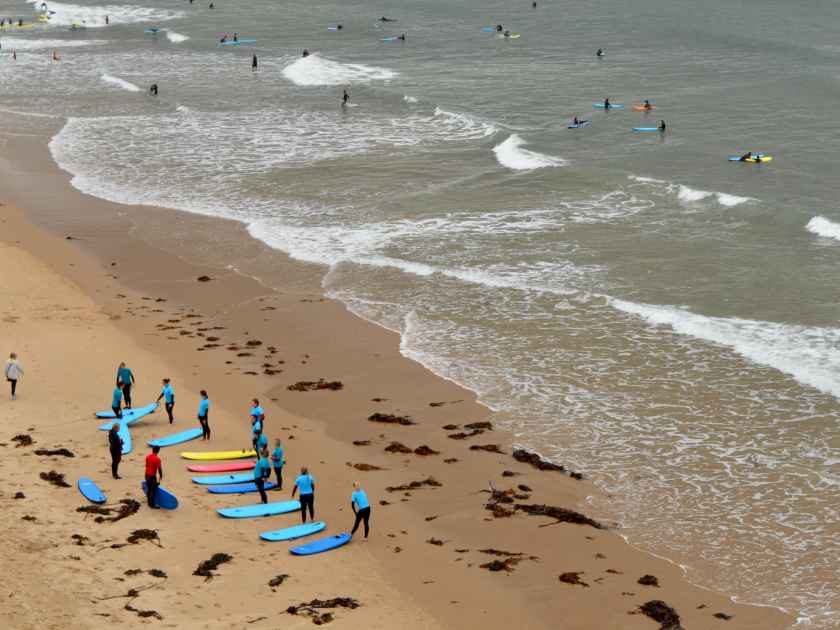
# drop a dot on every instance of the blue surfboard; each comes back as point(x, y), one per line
point(260, 509)
point(390, 39)
point(488, 29)
point(239, 42)
point(91, 491)
point(290, 533)
point(645, 129)
point(177, 438)
point(239, 488)
point(164, 498)
point(321, 545)
point(220, 480)
point(580, 124)
point(612, 106)
point(129, 415)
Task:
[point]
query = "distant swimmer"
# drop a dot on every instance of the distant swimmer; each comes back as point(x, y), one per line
point(305, 52)
point(506, 33)
point(401, 37)
point(647, 105)
point(576, 121)
point(211, 6)
point(345, 98)
point(339, 27)
point(236, 37)
point(662, 126)
point(534, 5)
point(153, 89)
point(14, 55)
point(107, 20)
point(44, 6)
point(254, 62)
point(55, 56)
point(746, 157)
point(386, 19)
point(223, 39)
point(607, 104)
point(600, 53)
point(499, 28)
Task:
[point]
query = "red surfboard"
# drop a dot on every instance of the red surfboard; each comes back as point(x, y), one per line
point(221, 467)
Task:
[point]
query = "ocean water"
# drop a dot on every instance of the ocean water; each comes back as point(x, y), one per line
point(633, 305)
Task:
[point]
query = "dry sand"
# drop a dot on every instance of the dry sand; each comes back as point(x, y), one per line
point(72, 317)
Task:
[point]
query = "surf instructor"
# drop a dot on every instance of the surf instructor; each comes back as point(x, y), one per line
point(154, 475)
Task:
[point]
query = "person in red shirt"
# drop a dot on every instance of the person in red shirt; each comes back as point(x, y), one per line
point(154, 474)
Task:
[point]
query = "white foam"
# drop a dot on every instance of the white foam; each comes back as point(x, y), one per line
point(317, 70)
point(409, 99)
point(176, 38)
point(730, 201)
point(823, 227)
point(120, 83)
point(690, 195)
point(510, 154)
point(94, 16)
point(19, 43)
point(811, 355)
point(465, 123)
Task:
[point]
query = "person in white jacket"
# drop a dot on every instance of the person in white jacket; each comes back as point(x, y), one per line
point(13, 372)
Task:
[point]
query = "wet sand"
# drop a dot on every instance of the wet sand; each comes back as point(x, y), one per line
point(77, 307)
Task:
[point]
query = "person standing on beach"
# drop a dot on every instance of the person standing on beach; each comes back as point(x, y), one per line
point(278, 461)
point(361, 508)
point(154, 474)
point(115, 445)
point(306, 484)
point(116, 402)
point(125, 379)
point(13, 373)
point(262, 471)
point(203, 415)
point(256, 434)
point(257, 414)
point(168, 394)
point(261, 443)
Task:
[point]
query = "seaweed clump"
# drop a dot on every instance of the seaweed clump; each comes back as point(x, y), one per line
point(429, 482)
point(55, 478)
point(572, 577)
point(662, 613)
point(320, 384)
point(206, 567)
point(389, 418)
point(63, 452)
point(311, 608)
point(561, 515)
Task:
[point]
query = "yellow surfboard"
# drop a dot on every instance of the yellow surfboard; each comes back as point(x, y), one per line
point(216, 455)
point(761, 160)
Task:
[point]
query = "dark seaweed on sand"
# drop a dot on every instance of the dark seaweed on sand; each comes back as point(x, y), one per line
point(662, 613)
point(572, 577)
point(389, 418)
point(63, 452)
point(490, 448)
point(430, 482)
point(320, 384)
point(144, 534)
point(206, 567)
point(561, 515)
point(22, 439)
point(397, 447)
point(311, 608)
point(56, 479)
point(126, 508)
point(648, 580)
point(278, 580)
point(536, 461)
point(144, 613)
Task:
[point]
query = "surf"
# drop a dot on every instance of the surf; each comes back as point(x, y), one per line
point(512, 155)
point(316, 70)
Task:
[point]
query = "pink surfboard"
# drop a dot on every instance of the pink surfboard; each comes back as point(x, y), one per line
point(221, 467)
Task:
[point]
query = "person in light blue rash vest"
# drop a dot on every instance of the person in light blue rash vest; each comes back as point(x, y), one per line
point(116, 402)
point(361, 508)
point(278, 460)
point(204, 415)
point(262, 471)
point(306, 484)
point(125, 379)
point(168, 394)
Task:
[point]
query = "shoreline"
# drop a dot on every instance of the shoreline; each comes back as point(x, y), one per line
point(300, 307)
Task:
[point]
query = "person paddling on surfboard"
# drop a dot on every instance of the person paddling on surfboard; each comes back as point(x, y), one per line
point(361, 508)
point(154, 470)
point(115, 445)
point(203, 415)
point(662, 126)
point(169, 394)
point(600, 53)
point(306, 484)
point(607, 104)
point(386, 19)
point(746, 157)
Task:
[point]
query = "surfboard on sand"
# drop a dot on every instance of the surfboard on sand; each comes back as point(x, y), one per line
point(164, 499)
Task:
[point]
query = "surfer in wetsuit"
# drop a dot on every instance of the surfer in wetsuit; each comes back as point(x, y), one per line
point(55, 56)
point(339, 27)
point(499, 28)
point(345, 98)
point(254, 62)
point(115, 445)
point(278, 461)
point(600, 53)
point(647, 105)
point(746, 157)
point(153, 89)
point(662, 126)
point(107, 20)
point(116, 401)
point(386, 19)
point(203, 415)
point(306, 484)
point(361, 508)
point(607, 104)
point(262, 471)
point(224, 39)
point(154, 468)
point(576, 121)
point(212, 6)
point(401, 37)
point(236, 37)
point(305, 53)
point(169, 395)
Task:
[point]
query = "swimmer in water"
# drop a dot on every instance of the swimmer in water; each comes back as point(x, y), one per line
point(662, 126)
point(499, 28)
point(600, 53)
point(576, 121)
point(401, 37)
point(236, 37)
point(153, 89)
point(339, 27)
point(254, 63)
point(305, 53)
point(211, 6)
point(507, 33)
point(345, 98)
point(224, 39)
point(647, 105)
point(386, 19)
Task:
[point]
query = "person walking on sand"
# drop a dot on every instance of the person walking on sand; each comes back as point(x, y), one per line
point(154, 475)
point(203, 415)
point(115, 445)
point(168, 394)
point(361, 508)
point(13, 373)
point(116, 402)
point(306, 484)
point(125, 379)
point(278, 461)
point(262, 471)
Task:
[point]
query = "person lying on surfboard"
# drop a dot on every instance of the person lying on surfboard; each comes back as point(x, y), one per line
point(746, 157)
point(386, 19)
point(647, 104)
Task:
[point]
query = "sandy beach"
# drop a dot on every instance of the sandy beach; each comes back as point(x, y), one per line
point(72, 317)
